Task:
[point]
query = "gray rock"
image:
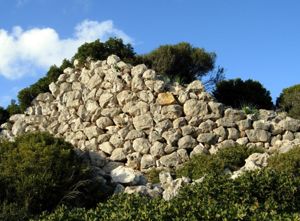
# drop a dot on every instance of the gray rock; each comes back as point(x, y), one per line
point(233, 133)
point(134, 160)
point(92, 131)
point(112, 60)
point(187, 142)
point(106, 147)
point(288, 135)
point(143, 122)
point(141, 145)
point(124, 175)
point(244, 124)
point(290, 124)
point(137, 84)
point(105, 99)
point(221, 132)
point(194, 107)
point(242, 141)
point(18, 127)
point(179, 122)
point(188, 130)
point(262, 125)
point(137, 71)
point(94, 81)
point(172, 136)
point(225, 122)
point(199, 149)
point(216, 108)
point(207, 126)
point(149, 74)
point(104, 122)
point(157, 149)
point(172, 111)
point(234, 115)
point(258, 135)
point(147, 161)
point(207, 138)
point(171, 160)
point(134, 134)
point(195, 86)
point(163, 126)
point(118, 155)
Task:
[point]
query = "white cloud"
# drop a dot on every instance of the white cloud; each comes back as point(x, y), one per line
point(24, 51)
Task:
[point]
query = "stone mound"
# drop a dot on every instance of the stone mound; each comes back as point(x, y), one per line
point(124, 115)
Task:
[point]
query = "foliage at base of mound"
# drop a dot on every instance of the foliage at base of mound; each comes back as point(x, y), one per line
point(263, 195)
point(231, 158)
point(289, 101)
point(268, 194)
point(39, 172)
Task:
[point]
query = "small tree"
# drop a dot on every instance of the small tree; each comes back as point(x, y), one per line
point(39, 172)
point(4, 115)
point(181, 60)
point(13, 108)
point(100, 51)
point(238, 93)
point(289, 101)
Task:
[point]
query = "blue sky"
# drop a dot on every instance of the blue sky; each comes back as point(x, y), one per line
point(257, 39)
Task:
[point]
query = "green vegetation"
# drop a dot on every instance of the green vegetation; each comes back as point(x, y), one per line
point(289, 101)
point(286, 162)
point(259, 195)
point(182, 61)
point(238, 93)
point(231, 158)
point(4, 115)
point(100, 51)
point(39, 172)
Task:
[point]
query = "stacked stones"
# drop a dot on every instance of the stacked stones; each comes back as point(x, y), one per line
point(124, 115)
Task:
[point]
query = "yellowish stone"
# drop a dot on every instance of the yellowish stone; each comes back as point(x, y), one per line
point(165, 98)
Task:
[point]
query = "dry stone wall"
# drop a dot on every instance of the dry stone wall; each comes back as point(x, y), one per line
point(124, 115)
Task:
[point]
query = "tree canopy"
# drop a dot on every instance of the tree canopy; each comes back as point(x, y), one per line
point(238, 93)
point(181, 61)
point(289, 101)
point(101, 50)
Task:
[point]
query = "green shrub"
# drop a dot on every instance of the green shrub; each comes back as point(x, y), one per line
point(231, 158)
point(100, 51)
point(288, 162)
point(260, 195)
point(289, 101)
point(13, 108)
point(238, 93)
point(4, 115)
point(181, 61)
point(38, 172)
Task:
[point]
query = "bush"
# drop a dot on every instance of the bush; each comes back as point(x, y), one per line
point(288, 162)
point(182, 61)
point(260, 195)
point(238, 93)
point(38, 172)
point(231, 158)
point(4, 115)
point(100, 51)
point(289, 101)
point(13, 108)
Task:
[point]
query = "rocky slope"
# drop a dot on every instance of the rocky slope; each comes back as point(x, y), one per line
point(124, 115)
